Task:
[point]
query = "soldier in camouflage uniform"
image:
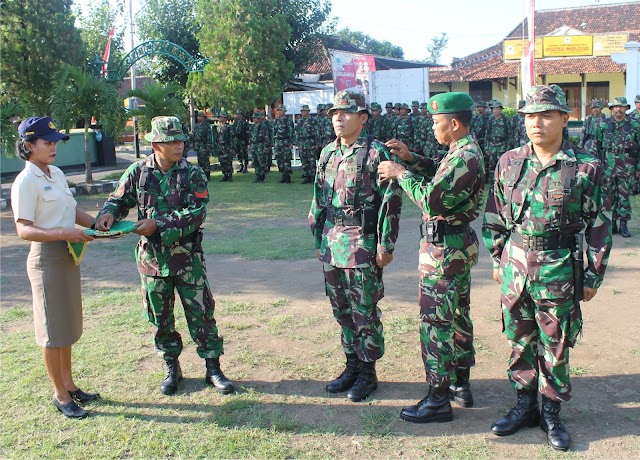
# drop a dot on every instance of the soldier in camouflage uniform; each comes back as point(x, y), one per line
point(260, 145)
point(544, 194)
point(223, 147)
point(240, 140)
point(479, 123)
point(326, 134)
point(203, 141)
point(497, 138)
point(590, 126)
point(305, 138)
point(171, 196)
point(616, 141)
point(283, 131)
point(415, 113)
point(386, 117)
point(354, 219)
point(518, 129)
point(449, 194)
point(636, 114)
point(419, 124)
point(375, 125)
point(403, 130)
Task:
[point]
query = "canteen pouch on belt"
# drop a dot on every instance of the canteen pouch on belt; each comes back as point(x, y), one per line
point(578, 267)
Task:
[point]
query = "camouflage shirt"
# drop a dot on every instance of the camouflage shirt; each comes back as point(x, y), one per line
point(403, 131)
point(283, 130)
point(260, 136)
point(306, 132)
point(202, 134)
point(498, 137)
point(375, 127)
point(479, 126)
point(537, 203)
point(240, 132)
point(176, 200)
point(519, 131)
point(589, 128)
point(223, 137)
point(617, 143)
point(337, 193)
point(326, 132)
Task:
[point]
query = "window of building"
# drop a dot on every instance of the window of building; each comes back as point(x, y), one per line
point(597, 90)
point(480, 90)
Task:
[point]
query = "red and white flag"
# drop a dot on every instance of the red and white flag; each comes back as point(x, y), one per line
point(105, 56)
point(528, 60)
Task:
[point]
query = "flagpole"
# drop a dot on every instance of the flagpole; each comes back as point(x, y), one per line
point(133, 102)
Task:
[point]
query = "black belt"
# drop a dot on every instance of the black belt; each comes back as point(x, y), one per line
point(345, 220)
point(444, 228)
point(543, 243)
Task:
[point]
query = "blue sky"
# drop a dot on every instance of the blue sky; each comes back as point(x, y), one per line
point(471, 25)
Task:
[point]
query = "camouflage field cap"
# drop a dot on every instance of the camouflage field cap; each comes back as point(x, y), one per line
point(305, 107)
point(165, 129)
point(543, 98)
point(423, 105)
point(497, 104)
point(397, 105)
point(388, 105)
point(349, 101)
point(200, 113)
point(328, 106)
point(319, 107)
point(223, 113)
point(637, 99)
point(376, 106)
point(415, 104)
point(405, 106)
point(521, 104)
point(481, 104)
point(450, 103)
point(259, 114)
point(282, 107)
point(619, 101)
point(596, 104)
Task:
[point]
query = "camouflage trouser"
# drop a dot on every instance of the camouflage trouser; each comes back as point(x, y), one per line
point(261, 156)
point(308, 159)
point(241, 151)
point(540, 319)
point(620, 188)
point(158, 298)
point(283, 156)
point(491, 158)
point(446, 330)
point(354, 294)
point(203, 159)
point(225, 156)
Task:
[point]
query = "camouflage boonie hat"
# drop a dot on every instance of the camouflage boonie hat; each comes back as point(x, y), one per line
point(282, 107)
point(596, 104)
point(521, 104)
point(223, 113)
point(305, 107)
point(319, 107)
point(388, 105)
point(497, 104)
point(423, 105)
point(200, 113)
point(415, 104)
point(637, 99)
point(405, 106)
point(258, 114)
point(397, 105)
point(349, 101)
point(376, 106)
point(619, 101)
point(165, 129)
point(481, 104)
point(543, 98)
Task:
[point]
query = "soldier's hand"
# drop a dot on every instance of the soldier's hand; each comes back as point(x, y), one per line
point(76, 235)
point(146, 227)
point(382, 260)
point(389, 170)
point(399, 149)
point(496, 275)
point(588, 293)
point(104, 222)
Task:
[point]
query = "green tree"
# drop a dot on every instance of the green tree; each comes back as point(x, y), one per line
point(10, 113)
point(78, 95)
point(435, 48)
point(95, 25)
point(309, 21)
point(370, 45)
point(38, 37)
point(245, 42)
point(174, 21)
point(159, 100)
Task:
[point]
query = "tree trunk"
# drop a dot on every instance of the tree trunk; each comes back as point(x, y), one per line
point(88, 177)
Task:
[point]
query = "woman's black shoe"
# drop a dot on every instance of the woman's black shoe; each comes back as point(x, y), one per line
point(83, 397)
point(71, 409)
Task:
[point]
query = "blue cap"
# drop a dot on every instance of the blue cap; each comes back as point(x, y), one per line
point(42, 128)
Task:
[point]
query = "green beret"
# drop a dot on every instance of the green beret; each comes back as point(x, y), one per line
point(450, 103)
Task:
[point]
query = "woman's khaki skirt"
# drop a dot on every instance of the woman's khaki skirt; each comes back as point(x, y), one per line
point(57, 300)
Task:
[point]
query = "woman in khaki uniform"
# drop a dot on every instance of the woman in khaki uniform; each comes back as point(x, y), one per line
point(45, 213)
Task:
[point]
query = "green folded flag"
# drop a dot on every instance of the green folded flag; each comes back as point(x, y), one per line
point(117, 230)
point(76, 250)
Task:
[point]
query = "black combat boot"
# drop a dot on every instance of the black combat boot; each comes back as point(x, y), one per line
point(435, 407)
point(174, 375)
point(614, 226)
point(366, 382)
point(624, 230)
point(287, 178)
point(283, 179)
point(230, 177)
point(525, 413)
point(225, 178)
point(557, 436)
point(348, 377)
point(245, 169)
point(216, 378)
point(257, 179)
point(461, 391)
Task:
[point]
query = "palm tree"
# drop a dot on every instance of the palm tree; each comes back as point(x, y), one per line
point(78, 95)
point(159, 100)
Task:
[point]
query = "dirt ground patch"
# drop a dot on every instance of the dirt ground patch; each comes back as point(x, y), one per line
point(295, 348)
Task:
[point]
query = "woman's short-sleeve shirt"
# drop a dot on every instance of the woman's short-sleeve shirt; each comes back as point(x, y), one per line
point(45, 201)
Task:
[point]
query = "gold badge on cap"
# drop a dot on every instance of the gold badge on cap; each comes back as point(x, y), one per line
point(51, 125)
point(434, 105)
